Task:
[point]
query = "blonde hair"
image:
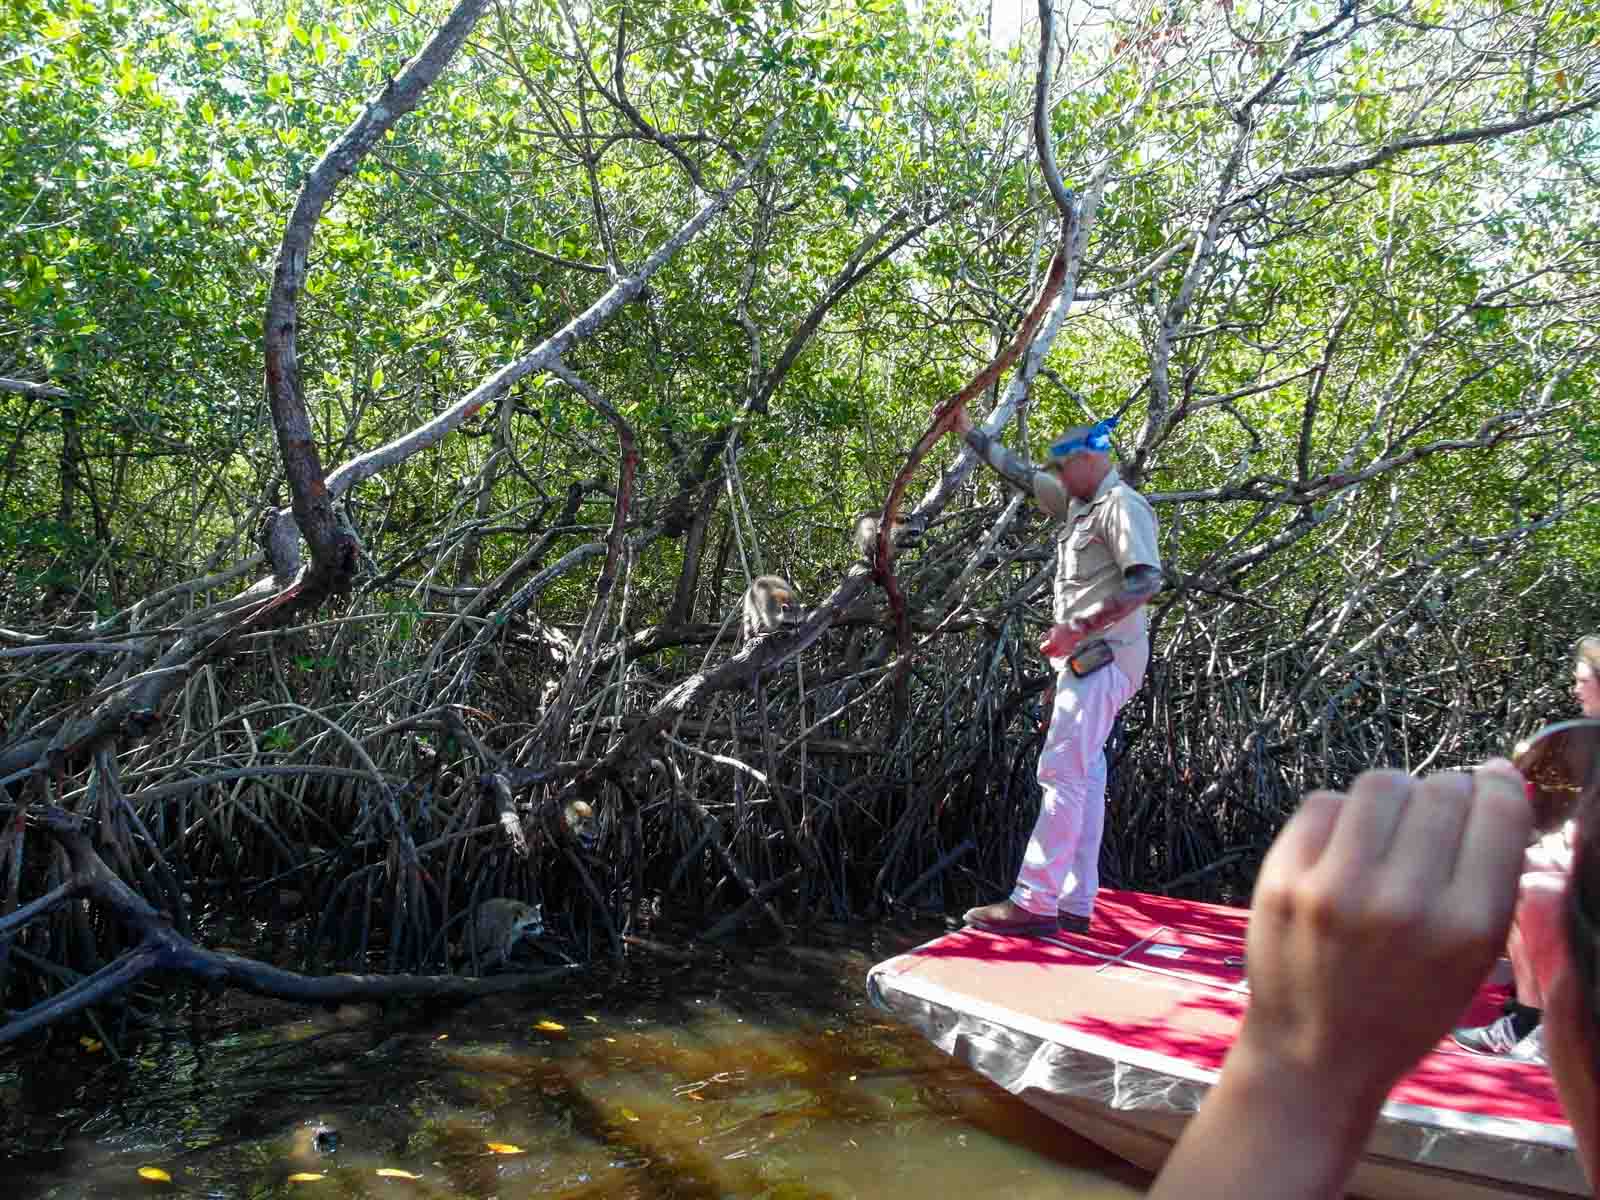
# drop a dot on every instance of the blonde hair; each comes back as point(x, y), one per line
point(1587, 653)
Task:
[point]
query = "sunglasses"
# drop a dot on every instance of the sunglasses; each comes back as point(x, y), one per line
point(1096, 438)
point(1561, 762)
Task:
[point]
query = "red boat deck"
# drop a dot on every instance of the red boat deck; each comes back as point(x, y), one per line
point(1166, 977)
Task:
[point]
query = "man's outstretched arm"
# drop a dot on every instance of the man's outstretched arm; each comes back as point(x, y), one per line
point(1011, 467)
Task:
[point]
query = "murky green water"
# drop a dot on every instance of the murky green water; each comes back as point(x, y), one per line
point(748, 1074)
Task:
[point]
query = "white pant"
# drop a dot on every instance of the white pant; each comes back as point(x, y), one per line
point(1061, 869)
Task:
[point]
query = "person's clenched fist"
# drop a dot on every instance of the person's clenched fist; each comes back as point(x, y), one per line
point(1376, 917)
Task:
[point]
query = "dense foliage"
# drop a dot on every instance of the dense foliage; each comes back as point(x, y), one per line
point(1340, 283)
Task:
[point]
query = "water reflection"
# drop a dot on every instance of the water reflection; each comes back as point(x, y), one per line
point(749, 1074)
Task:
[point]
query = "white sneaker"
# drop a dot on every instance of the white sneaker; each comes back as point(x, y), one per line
point(1530, 1049)
point(1497, 1037)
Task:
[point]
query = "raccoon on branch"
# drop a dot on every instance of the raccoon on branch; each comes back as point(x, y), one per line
point(770, 602)
point(865, 537)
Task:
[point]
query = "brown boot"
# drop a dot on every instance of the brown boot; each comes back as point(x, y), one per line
point(1003, 916)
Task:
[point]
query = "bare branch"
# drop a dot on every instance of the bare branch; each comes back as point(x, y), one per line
point(333, 550)
point(1454, 137)
point(552, 348)
point(39, 391)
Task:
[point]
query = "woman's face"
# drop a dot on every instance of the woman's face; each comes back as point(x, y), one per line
point(1586, 689)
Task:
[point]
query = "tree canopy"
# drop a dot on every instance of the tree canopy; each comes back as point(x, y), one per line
point(395, 401)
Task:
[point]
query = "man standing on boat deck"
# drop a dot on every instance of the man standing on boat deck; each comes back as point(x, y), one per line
point(1107, 568)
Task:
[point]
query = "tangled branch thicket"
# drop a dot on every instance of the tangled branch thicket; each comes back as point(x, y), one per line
point(1361, 409)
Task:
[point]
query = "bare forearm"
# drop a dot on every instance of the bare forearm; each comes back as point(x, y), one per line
point(1010, 466)
point(1139, 585)
point(1108, 612)
point(1259, 1136)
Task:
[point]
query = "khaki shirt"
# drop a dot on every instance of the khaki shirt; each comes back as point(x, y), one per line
point(1099, 540)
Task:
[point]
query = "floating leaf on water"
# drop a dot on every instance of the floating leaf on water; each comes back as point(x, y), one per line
point(503, 1148)
point(630, 1115)
point(587, 1017)
point(89, 1044)
point(396, 1173)
point(551, 1027)
point(306, 1176)
point(441, 1037)
point(154, 1175)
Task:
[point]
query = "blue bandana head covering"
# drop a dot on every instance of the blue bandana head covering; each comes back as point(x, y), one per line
point(1097, 438)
